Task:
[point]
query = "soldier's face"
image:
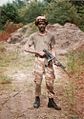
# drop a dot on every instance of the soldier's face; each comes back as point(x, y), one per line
point(41, 26)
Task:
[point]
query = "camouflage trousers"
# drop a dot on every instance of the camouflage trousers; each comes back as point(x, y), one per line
point(39, 70)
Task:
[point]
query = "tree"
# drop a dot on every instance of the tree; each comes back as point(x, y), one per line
point(33, 10)
point(18, 3)
point(48, 1)
point(9, 13)
point(77, 2)
point(79, 5)
point(61, 12)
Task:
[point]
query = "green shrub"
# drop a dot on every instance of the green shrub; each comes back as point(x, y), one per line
point(34, 9)
point(62, 12)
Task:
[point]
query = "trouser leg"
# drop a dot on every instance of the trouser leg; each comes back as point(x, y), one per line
point(49, 75)
point(50, 87)
point(38, 75)
point(37, 80)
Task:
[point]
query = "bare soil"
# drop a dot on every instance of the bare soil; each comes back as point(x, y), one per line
point(17, 97)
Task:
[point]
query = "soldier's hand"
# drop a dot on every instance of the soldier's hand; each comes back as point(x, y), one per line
point(41, 53)
point(57, 63)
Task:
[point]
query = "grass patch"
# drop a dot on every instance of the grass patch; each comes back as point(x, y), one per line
point(14, 59)
point(4, 79)
point(7, 58)
point(70, 94)
point(76, 62)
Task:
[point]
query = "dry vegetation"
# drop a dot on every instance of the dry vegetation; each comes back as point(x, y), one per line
point(9, 28)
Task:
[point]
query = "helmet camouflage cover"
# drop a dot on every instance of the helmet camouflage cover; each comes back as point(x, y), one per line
point(41, 19)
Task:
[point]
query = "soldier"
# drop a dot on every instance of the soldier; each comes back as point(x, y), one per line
point(41, 40)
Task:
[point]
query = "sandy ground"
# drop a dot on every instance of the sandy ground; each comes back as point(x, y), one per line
point(16, 98)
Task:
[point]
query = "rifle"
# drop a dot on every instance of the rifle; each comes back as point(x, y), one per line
point(50, 58)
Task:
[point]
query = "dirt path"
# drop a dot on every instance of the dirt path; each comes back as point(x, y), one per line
point(16, 99)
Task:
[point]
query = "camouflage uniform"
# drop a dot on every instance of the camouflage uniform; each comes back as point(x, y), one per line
point(42, 42)
point(39, 70)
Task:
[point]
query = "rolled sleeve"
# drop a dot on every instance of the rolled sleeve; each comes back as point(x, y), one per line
point(29, 43)
point(52, 42)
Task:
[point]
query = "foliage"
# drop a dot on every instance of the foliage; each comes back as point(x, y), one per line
point(77, 2)
point(79, 5)
point(33, 10)
point(48, 1)
point(62, 12)
point(57, 11)
point(9, 13)
point(18, 3)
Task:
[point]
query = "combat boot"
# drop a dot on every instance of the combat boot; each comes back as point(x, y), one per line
point(37, 102)
point(52, 104)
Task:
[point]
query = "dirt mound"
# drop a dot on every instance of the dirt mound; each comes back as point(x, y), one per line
point(68, 37)
point(22, 34)
point(81, 47)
